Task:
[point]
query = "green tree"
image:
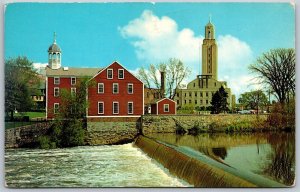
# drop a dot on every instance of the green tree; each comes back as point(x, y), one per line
point(277, 69)
point(175, 71)
point(68, 129)
point(19, 77)
point(219, 101)
point(253, 99)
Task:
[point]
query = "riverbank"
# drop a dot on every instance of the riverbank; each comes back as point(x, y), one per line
point(194, 124)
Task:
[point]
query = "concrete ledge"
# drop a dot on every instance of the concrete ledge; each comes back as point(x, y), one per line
point(198, 169)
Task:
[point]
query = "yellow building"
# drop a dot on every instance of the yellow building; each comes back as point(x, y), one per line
point(199, 91)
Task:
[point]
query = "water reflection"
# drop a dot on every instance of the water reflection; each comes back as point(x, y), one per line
point(269, 154)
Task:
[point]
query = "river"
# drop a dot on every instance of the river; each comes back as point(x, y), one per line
point(271, 155)
point(86, 166)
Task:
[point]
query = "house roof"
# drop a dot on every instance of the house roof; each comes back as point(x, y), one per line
point(71, 71)
point(155, 101)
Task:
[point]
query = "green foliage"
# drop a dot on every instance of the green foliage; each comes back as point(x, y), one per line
point(44, 142)
point(253, 99)
point(19, 78)
point(219, 101)
point(72, 133)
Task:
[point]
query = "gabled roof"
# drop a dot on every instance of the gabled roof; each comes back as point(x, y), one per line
point(116, 62)
point(159, 100)
point(71, 71)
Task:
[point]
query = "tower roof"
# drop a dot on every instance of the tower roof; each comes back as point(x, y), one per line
point(54, 47)
point(209, 22)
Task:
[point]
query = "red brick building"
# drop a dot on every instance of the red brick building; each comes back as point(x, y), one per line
point(117, 93)
point(61, 79)
point(164, 106)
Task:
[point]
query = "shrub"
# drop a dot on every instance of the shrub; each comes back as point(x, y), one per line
point(44, 142)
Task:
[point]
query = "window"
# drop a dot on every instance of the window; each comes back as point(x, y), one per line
point(194, 84)
point(115, 88)
point(56, 80)
point(190, 94)
point(56, 91)
point(185, 94)
point(190, 101)
point(100, 87)
point(201, 95)
point(195, 101)
point(73, 80)
point(130, 88)
point(121, 73)
point(109, 73)
point(177, 102)
point(166, 107)
point(130, 108)
point(73, 91)
point(184, 101)
point(100, 107)
point(115, 107)
point(177, 94)
point(206, 94)
point(215, 84)
point(195, 94)
point(206, 101)
point(201, 102)
point(56, 108)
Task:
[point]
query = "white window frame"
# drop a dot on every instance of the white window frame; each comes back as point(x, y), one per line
point(119, 73)
point(72, 78)
point(54, 111)
point(113, 88)
point(165, 108)
point(73, 91)
point(99, 108)
point(112, 73)
point(56, 80)
point(56, 88)
point(114, 107)
point(99, 85)
point(128, 88)
point(128, 107)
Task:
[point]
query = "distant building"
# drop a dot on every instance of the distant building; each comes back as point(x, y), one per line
point(38, 94)
point(199, 91)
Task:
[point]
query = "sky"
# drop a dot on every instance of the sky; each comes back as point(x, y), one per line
point(139, 34)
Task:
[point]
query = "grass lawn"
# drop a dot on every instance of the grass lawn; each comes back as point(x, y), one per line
point(31, 114)
point(9, 125)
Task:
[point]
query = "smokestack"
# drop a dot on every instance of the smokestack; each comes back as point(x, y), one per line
point(162, 81)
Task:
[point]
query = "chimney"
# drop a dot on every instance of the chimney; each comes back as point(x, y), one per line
point(162, 81)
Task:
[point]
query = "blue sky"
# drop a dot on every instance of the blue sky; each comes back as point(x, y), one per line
point(137, 34)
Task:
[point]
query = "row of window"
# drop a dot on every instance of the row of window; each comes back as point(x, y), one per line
point(110, 73)
point(190, 102)
point(115, 88)
point(116, 107)
point(57, 80)
point(196, 94)
point(56, 91)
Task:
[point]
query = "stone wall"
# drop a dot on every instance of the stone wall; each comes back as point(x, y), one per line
point(117, 130)
point(25, 136)
point(169, 123)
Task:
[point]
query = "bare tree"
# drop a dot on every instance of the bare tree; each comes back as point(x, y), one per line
point(277, 68)
point(175, 72)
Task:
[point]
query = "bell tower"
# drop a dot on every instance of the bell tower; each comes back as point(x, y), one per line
point(210, 52)
point(54, 55)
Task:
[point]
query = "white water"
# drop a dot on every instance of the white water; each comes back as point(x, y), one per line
point(87, 166)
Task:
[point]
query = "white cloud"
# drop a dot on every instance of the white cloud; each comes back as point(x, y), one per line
point(156, 39)
point(40, 67)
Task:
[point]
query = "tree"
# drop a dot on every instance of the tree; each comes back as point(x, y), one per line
point(175, 71)
point(277, 68)
point(219, 101)
point(253, 99)
point(19, 77)
point(68, 130)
